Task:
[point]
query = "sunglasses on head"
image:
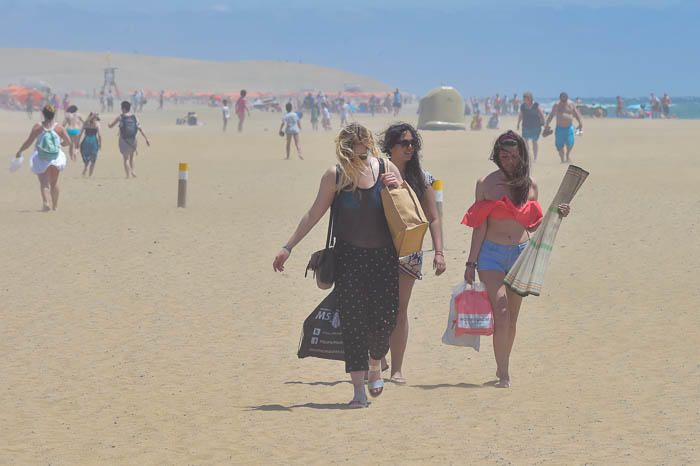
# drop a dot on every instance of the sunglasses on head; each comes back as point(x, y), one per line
point(508, 143)
point(407, 142)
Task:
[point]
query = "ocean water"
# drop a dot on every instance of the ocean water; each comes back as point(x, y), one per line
point(681, 107)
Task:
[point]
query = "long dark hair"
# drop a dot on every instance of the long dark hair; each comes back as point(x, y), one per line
point(414, 173)
point(519, 181)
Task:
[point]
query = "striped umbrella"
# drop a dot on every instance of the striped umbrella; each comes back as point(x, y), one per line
point(527, 274)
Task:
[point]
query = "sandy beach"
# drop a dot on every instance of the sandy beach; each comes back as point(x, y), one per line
point(134, 332)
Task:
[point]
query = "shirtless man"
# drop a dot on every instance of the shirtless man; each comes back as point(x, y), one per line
point(565, 111)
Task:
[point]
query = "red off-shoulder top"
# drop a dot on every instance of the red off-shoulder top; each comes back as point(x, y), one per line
point(528, 215)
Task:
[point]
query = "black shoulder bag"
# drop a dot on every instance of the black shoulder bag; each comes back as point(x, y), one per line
point(322, 263)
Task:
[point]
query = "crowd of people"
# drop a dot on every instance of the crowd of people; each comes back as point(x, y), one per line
point(658, 108)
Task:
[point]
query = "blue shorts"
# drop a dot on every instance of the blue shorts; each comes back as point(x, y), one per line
point(533, 134)
point(501, 257)
point(564, 137)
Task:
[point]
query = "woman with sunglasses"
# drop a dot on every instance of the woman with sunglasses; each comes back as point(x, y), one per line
point(402, 144)
point(367, 279)
point(505, 211)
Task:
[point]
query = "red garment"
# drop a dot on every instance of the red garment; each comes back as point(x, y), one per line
point(528, 215)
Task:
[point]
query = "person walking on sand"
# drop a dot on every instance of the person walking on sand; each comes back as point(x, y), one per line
point(505, 210)
point(48, 159)
point(532, 119)
point(402, 143)
point(129, 128)
point(242, 109)
point(225, 113)
point(366, 274)
point(91, 142)
point(565, 112)
point(666, 105)
point(291, 124)
point(73, 124)
point(397, 102)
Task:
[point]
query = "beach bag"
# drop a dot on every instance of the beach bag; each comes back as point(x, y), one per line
point(406, 219)
point(322, 263)
point(49, 145)
point(322, 335)
point(128, 127)
point(449, 337)
point(474, 312)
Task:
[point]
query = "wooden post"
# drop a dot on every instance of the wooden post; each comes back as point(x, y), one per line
point(437, 187)
point(182, 185)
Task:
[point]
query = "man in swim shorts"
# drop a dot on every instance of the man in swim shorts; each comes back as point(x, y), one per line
point(565, 111)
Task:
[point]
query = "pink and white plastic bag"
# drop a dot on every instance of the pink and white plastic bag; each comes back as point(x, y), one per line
point(473, 310)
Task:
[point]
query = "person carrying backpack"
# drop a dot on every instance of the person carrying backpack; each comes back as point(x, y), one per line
point(48, 159)
point(129, 127)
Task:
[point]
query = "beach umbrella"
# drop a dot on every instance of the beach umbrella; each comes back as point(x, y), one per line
point(527, 274)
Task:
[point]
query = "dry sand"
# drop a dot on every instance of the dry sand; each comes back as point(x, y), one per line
point(134, 332)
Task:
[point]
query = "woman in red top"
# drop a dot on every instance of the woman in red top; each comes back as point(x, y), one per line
point(505, 211)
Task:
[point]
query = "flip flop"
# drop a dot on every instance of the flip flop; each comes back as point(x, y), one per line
point(398, 380)
point(376, 387)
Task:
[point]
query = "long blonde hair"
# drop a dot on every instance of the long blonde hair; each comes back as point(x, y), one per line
point(351, 164)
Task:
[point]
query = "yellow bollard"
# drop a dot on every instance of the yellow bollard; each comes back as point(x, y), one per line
point(438, 186)
point(182, 185)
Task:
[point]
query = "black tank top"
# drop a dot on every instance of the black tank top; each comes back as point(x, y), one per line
point(360, 217)
point(531, 116)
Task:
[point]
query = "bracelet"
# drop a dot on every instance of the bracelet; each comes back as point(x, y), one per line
point(287, 248)
point(439, 253)
point(471, 264)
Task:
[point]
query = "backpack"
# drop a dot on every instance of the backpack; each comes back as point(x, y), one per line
point(128, 127)
point(49, 145)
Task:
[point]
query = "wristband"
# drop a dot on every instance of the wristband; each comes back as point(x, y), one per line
point(439, 253)
point(471, 264)
point(287, 248)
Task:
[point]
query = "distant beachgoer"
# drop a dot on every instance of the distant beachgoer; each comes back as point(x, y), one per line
point(102, 101)
point(161, 99)
point(48, 159)
point(110, 101)
point(291, 124)
point(91, 142)
point(532, 119)
point(129, 128)
point(655, 106)
point(345, 111)
point(397, 102)
point(402, 143)
point(326, 117)
point(225, 113)
point(565, 111)
point(73, 123)
point(66, 102)
point(505, 210)
point(477, 122)
point(619, 107)
point(242, 109)
point(367, 276)
point(315, 112)
point(666, 105)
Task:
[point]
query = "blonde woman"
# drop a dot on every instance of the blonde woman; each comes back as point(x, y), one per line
point(91, 142)
point(367, 278)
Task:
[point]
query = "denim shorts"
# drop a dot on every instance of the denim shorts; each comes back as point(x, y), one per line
point(501, 257)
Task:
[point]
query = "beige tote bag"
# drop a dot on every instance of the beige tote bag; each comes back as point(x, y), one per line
point(406, 219)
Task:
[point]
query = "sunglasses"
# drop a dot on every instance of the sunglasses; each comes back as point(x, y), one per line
point(407, 142)
point(508, 143)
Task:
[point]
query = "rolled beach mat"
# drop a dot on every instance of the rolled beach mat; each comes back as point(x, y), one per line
point(526, 277)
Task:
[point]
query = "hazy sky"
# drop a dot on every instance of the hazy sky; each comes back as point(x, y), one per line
point(588, 47)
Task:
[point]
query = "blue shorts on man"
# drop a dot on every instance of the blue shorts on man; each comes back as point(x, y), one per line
point(564, 136)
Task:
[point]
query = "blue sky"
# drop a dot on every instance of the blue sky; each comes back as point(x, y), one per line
point(587, 47)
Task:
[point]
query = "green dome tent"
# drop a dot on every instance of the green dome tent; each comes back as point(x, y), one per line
point(441, 109)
